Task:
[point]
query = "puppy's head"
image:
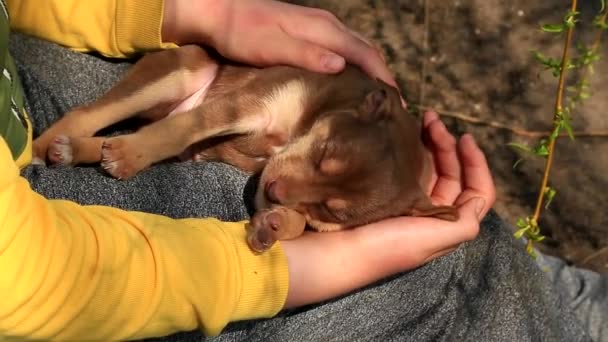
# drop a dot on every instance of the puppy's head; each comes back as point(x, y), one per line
point(360, 162)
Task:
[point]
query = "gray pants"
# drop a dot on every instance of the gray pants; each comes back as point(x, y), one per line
point(487, 290)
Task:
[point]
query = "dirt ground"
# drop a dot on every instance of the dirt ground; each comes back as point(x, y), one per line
point(471, 59)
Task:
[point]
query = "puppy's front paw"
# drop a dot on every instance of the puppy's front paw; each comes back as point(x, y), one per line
point(277, 223)
point(60, 151)
point(121, 159)
point(262, 230)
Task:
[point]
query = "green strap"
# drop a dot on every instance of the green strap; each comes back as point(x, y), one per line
point(13, 127)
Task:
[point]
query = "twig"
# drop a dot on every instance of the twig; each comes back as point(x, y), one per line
point(598, 36)
point(558, 109)
point(595, 254)
point(511, 128)
point(425, 51)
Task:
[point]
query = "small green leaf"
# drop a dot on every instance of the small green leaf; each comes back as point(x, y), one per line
point(522, 147)
point(517, 163)
point(569, 129)
point(530, 249)
point(570, 19)
point(599, 22)
point(563, 122)
point(520, 232)
point(555, 132)
point(521, 223)
point(550, 63)
point(541, 150)
point(553, 28)
point(603, 5)
point(550, 193)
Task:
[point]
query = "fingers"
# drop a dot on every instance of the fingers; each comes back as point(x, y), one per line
point(428, 118)
point(467, 229)
point(329, 33)
point(300, 53)
point(477, 178)
point(448, 235)
point(443, 145)
point(462, 169)
point(416, 240)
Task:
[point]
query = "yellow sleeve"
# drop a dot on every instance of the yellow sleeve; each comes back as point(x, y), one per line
point(72, 272)
point(114, 28)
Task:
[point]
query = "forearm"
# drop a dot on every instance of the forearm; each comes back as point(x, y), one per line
point(187, 21)
point(326, 265)
point(72, 272)
point(115, 28)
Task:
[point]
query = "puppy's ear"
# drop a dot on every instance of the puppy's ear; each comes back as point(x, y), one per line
point(376, 106)
point(443, 212)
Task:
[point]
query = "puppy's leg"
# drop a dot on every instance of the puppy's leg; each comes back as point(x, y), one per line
point(269, 225)
point(64, 150)
point(153, 87)
point(124, 156)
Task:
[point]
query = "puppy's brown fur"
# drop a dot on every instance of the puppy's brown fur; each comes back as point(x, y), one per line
point(334, 151)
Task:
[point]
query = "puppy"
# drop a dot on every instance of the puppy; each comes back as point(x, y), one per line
point(334, 151)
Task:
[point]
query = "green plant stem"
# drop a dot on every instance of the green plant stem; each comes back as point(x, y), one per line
point(558, 109)
point(598, 37)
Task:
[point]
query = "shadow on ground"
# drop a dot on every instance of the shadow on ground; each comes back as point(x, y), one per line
point(472, 58)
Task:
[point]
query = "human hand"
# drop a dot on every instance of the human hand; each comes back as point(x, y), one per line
point(326, 265)
point(268, 32)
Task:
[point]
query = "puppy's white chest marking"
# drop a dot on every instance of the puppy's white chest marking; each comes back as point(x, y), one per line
point(275, 117)
point(284, 107)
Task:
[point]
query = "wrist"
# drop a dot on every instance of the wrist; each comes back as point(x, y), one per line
point(325, 265)
point(193, 21)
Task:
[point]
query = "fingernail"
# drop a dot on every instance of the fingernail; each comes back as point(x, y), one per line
point(480, 203)
point(382, 57)
point(468, 136)
point(332, 62)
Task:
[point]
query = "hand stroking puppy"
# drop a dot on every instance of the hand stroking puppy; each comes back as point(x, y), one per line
point(333, 151)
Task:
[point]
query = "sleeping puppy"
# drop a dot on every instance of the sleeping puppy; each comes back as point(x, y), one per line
point(334, 151)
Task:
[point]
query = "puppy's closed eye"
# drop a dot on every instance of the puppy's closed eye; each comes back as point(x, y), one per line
point(319, 155)
point(323, 210)
point(336, 204)
point(334, 208)
point(332, 166)
point(326, 162)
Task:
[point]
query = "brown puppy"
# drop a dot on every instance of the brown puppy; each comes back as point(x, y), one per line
point(334, 151)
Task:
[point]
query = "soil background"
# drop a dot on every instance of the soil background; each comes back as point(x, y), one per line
point(472, 59)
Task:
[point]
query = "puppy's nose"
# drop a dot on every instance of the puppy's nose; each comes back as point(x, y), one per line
point(272, 192)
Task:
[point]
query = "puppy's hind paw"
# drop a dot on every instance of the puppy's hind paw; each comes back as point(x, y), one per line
point(38, 161)
point(60, 151)
point(117, 159)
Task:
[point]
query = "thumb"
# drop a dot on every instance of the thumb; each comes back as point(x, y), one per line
point(473, 207)
point(471, 214)
point(467, 227)
point(479, 205)
point(303, 54)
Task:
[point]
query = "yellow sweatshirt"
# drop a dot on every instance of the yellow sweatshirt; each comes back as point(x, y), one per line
point(114, 28)
point(72, 272)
